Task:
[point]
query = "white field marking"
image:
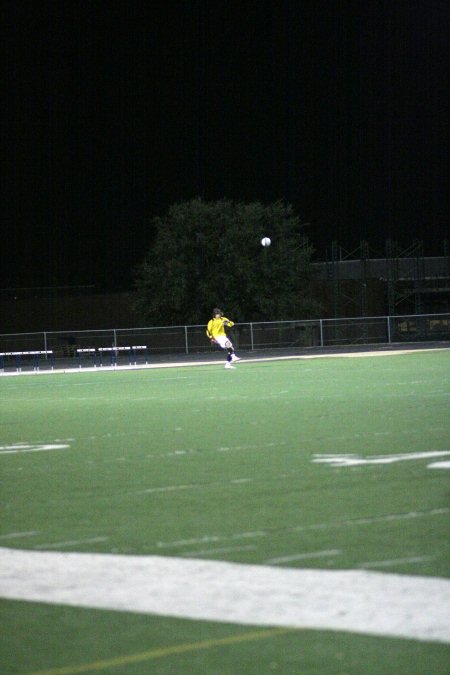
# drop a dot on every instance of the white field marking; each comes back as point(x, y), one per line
point(248, 535)
point(25, 447)
point(189, 542)
point(277, 444)
point(199, 486)
point(402, 432)
point(192, 486)
point(261, 446)
point(357, 601)
point(87, 398)
point(167, 488)
point(395, 561)
point(409, 394)
point(385, 519)
point(250, 446)
point(302, 556)
point(335, 460)
point(394, 517)
point(210, 539)
point(355, 460)
point(439, 465)
point(75, 542)
point(19, 535)
point(213, 551)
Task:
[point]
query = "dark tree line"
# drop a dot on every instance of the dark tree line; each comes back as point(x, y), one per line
point(209, 254)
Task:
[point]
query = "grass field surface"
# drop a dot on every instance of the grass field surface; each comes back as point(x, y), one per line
point(288, 516)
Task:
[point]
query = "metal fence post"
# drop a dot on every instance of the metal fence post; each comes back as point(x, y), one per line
point(389, 329)
point(321, 332)
point(251, 335)
point(186, 339)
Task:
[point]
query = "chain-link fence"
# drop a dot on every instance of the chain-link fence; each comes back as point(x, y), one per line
point(143, 345)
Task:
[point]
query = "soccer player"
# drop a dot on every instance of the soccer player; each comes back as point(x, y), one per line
point(216, 331)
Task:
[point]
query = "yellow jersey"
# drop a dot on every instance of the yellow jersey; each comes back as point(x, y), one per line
point(216, 327)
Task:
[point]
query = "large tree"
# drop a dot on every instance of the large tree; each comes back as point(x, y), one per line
point(208, 254)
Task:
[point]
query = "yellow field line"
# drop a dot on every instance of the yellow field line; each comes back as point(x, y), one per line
point(165, 651)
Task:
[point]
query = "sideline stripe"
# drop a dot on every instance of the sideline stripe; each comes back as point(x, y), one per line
point(166, 651)
point(206, 590)
point(182, 364)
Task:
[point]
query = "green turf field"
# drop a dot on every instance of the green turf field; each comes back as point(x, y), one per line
point(276, 463)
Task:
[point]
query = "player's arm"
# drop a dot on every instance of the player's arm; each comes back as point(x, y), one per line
point(209, 333)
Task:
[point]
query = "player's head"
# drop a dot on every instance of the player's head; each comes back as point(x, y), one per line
point(217, 312)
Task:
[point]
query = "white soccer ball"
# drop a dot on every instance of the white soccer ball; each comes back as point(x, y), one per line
point(266, 241)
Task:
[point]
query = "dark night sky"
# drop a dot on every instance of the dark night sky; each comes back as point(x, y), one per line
point(114, 110)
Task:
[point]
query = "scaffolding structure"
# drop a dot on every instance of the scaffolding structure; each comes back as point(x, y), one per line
point(349, 289)
point(408, 278)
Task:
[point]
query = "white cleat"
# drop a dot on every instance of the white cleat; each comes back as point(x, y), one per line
point(228, 365)
point(235, 358)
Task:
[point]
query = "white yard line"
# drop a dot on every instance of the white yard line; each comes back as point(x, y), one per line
point(73, 542)
point(439, 465)
point(193, 486)
point(394, 517)
point(249, 535)
point(357, 601)
point(214, 551)
point(395, 561)
point(20, 448)
point(345, 460)
point(302, 556)
point(411, 515)
point(324, 439)
point(250, 446)
point(19, 535)
point(189, 542)
point(167, 488)
point(201, 486)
